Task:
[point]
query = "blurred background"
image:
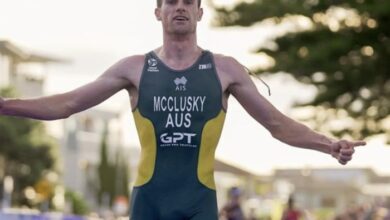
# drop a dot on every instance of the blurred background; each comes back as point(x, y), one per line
point(326, 61)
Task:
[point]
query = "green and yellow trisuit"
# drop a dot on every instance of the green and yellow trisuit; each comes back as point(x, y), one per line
point(179, 118)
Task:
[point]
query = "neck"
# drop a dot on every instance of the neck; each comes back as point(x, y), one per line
point(179, 47)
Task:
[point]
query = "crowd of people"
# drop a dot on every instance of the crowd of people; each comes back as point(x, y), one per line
point(233, 210)
point(369, 211)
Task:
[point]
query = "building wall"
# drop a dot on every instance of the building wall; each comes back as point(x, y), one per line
point(27, 78)
point(4, 70)
point(81, 145)
point(28, 87)
point(335, 189)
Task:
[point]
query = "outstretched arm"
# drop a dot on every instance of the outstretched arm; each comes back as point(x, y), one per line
point(280, 126)
point(63, 105)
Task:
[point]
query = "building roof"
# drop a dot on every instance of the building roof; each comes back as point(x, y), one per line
point(226, 167)
point(343, 177)
point(10, 49)
point(325, 171)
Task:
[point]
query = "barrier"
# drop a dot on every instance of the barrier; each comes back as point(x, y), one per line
point(46, 216)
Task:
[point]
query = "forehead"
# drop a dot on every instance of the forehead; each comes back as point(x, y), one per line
point(159, 2)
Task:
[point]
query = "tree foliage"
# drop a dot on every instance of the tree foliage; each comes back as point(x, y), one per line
point(78, 204)
point(345, 54)
point(105, 173)
point(113, 176)
point(122, 174)
point(25, 149)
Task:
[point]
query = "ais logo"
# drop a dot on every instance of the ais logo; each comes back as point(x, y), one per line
point(180, 84)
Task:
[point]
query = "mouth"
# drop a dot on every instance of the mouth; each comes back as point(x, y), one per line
point(180, 18)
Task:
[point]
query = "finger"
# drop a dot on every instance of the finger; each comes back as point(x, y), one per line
point(358, 143)
point(344, 144)
point(342, 162)
point(345, 158)
point(335, 146)
point(348, 154)
point(347, 151)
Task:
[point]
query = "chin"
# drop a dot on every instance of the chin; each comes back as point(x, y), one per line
point(182, 31)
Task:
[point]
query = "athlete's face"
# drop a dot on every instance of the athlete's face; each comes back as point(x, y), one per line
point(179, 16)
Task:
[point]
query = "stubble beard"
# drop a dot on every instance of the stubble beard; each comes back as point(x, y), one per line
point(182, 31)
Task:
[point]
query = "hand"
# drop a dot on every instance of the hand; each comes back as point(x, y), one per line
point(343, 150)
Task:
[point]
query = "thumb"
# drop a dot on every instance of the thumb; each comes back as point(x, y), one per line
point(335, 149)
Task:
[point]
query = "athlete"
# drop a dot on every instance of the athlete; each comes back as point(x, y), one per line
point(178, 94)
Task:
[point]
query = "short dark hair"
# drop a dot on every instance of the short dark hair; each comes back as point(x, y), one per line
point(159, 3)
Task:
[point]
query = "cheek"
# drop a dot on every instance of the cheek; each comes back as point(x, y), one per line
point(163, 17)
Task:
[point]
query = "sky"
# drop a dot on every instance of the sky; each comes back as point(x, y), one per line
point(93, 34)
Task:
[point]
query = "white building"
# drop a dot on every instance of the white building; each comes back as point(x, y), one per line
point(79, 136)
point(81, 147)
point(23, 70)
point(336, 189)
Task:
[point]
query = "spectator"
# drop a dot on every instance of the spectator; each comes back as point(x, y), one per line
point(291, 213)
point(232, 210)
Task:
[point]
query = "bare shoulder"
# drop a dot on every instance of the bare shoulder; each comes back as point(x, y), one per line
point(230, 69)
point(134, 60)
point(131, 64)
point(226, 64)
point(128, 68)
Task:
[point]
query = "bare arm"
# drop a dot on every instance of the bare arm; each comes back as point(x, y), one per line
point(280, 126)
point(63, 105)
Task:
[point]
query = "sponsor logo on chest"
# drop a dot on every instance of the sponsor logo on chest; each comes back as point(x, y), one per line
point(206, 66)
point(152, 65)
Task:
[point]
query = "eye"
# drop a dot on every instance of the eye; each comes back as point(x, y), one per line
point(171, 2)
point(189, 2)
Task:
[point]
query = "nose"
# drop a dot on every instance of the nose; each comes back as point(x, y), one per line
point(180, 6)
point(180, 10)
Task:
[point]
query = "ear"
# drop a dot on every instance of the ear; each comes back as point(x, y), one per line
point(200, 14)
point(157, 13)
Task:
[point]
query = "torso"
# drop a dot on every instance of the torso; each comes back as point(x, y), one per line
point(179, 115)
point(134, 78)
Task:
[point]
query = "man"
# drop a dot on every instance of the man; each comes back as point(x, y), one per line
point(232, 210)
point(179, 96)
point(291, 213)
